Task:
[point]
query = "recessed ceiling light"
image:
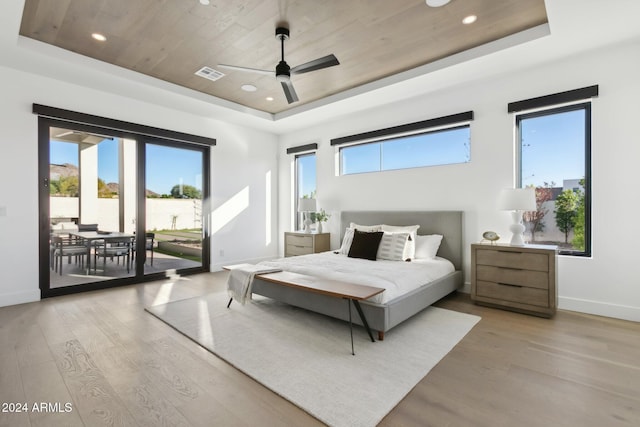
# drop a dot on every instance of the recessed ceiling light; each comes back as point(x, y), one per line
point(99, 37)
point(248, 88)
point(437, 3)
point(269, 98)
point(469, 19)
point(204, 2)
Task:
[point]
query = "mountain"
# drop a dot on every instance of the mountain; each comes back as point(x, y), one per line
point(64, 170)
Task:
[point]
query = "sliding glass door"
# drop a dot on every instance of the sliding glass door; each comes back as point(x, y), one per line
point(118, 208)
point(92, 206)
point(173, 198)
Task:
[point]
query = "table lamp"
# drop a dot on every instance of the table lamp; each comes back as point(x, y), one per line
point(307, 205)
point(517, 200)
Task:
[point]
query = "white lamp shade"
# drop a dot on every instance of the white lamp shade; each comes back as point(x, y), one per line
point(306, 205)
point(518, 199)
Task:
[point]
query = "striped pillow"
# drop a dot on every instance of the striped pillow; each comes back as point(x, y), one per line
point(392, 246)
point(410, 249)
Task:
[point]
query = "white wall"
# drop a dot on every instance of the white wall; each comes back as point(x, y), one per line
point(241, 160)
point(603, 284)
point(160, 213)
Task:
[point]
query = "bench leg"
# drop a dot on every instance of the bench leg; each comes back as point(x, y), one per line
point(230, 299)
point(353, 353)
point(364, 319)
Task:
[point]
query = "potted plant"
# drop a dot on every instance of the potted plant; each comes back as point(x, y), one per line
point(321, 217)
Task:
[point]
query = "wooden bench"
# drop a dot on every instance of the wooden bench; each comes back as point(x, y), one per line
point(349, 291)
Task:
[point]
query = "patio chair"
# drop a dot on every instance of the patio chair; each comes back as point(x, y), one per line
point(87, 227)
point(149, 245)
point(64, 247)
point(150, 238)
point(114, 248)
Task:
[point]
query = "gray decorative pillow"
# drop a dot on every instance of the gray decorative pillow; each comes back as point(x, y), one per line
point(392, 246)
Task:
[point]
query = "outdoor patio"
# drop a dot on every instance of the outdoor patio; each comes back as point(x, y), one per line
point(75, 274)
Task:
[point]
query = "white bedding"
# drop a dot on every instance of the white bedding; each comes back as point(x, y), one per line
point(396, 277)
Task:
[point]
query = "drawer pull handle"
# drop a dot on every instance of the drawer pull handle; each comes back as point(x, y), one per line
point(510, 252)
point(509, 284)
point(510, 268)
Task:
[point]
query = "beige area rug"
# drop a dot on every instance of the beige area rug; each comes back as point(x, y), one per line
point(306, 357)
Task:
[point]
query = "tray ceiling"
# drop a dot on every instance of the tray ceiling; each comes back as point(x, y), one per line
point(172, 39)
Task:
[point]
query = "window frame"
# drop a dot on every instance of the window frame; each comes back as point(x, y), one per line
point(559, 109)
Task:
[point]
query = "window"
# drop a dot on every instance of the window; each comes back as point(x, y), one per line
point(440, 147)
point(554, 153)
point(305, 169)
point(440, 141)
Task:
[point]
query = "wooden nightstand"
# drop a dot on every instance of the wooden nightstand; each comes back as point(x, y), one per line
point(518, 278)
point(305, 243)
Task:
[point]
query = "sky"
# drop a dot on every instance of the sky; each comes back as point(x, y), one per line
point(553, 148)
point(166, 166)
point(306, 175)
point(429, 149)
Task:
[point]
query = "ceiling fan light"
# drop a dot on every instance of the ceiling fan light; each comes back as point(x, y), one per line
point(437, 3)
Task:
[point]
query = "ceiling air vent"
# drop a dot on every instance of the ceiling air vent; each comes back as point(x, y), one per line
point(209, 73)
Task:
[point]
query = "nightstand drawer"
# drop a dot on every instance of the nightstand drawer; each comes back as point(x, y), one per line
point(513, 276)
point(296, 240)
point(513, 259)
point(292, 250)
point(517, 294)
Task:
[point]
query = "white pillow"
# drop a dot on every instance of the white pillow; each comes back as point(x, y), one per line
point(392, 246)
point(410, 248)
point(367, 228)
point(346, 241)
point(427, 246)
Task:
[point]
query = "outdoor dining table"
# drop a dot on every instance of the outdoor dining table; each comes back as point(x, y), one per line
point(91, 236)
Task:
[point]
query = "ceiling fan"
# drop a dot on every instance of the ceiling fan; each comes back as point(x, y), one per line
point(283, 71)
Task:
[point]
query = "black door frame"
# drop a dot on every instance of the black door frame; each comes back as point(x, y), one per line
point(54, 117)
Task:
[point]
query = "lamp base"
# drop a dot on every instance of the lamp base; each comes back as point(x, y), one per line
point(307, 225)
point(517, 228)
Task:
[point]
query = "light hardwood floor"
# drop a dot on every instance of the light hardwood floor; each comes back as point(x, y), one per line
point(118, 365)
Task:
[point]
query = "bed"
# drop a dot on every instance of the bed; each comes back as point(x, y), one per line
point(387, 310)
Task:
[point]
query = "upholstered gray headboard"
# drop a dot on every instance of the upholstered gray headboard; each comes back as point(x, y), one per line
point(447, 223)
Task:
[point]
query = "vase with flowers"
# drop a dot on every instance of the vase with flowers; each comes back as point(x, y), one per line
point(321, 217)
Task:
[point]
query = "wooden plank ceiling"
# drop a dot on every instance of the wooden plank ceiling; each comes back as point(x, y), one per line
point(172, 39)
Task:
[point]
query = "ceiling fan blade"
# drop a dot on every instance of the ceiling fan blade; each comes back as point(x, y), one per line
point(251, 70)
point(316, 64)
point(289, 92)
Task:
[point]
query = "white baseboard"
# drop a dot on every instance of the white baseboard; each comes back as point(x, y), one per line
point(466, 288)
point(218, 266)
point(13, 298)
point(598, 308)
